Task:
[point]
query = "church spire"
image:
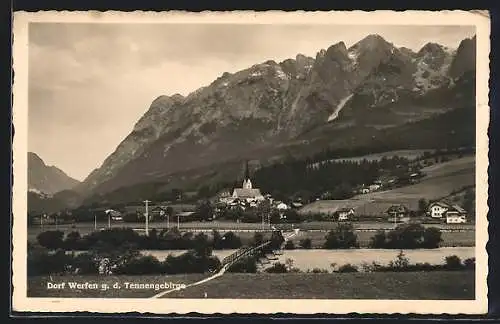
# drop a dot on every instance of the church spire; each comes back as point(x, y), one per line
point(247, 172)
point(247, 184)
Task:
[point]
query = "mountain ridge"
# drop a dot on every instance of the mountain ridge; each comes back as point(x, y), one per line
point(269, 104)
point(46, 179)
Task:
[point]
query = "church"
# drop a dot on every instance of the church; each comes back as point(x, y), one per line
point(247, 192)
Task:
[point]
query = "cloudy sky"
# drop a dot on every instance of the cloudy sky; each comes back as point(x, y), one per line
point(90, 83)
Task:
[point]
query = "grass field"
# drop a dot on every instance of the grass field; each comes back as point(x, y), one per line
point(398, 285)
point(409, 285)
point(440, 180)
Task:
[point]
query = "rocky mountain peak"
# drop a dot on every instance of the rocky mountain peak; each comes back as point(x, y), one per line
point(431, 48)
point(370, 43)
point(47, 179)
point(465, 58)
point(338, 50)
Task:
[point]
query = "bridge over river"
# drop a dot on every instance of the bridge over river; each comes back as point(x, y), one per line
point(260, 251)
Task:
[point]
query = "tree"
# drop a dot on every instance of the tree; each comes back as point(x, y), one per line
point(72, 240)
point(244, 265)
point(401, 262)
point(422, 206)
point(258, 239)
point(453, 262)
point(216, 240)
point(205, 211)
point(378, 241)
point(469, 203)
point(432, 238)
point(406, 237)
point(51, 239)
point(305, 243)
point(231, 241)
point(275, 216)
point(289, 245)
point(292, 216)
point(343, 237)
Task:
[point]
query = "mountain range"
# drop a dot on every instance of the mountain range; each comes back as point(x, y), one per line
point(48, 180)
point(344, 97)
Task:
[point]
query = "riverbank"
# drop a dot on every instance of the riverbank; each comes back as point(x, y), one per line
point(322, 259)
point(458, 285)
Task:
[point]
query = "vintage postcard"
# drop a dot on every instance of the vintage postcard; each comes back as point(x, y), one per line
point(251, 162)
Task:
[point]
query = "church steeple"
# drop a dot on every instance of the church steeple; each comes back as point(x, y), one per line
point(247, 171)
point(247, 184)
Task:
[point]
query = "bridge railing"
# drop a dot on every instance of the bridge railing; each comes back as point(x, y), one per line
point(242, 253)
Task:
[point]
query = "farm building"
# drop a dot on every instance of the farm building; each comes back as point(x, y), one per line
point(437, 209)
point(344, 214)
point(398, 211)
point(455, 215)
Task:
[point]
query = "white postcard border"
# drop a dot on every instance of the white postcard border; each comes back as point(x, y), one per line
point(264, 306)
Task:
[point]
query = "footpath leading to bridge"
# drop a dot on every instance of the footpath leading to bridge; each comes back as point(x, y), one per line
point(227, 262)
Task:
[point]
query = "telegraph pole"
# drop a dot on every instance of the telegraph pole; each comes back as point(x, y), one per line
point(95, 222)
point(147, 217)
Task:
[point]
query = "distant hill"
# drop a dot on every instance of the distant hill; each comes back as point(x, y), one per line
point(441, 180)
point(44, 179)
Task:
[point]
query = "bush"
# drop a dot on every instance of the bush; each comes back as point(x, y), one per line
point(378, 241)
point(289, 245)
point(258, 238)
point(244, 265)
point(72, 241)
point(51, 240)
point(400, 263)
point(190, 262)
point(470, 263)
point(230, 241)
point(85, 263)
point(305, 243)
point(411, 236)
point(43, 262)
point(347, 268)
point(432, 238)
point(277, 268)
point(141, 266)
point(343, 237)
point(453, 262)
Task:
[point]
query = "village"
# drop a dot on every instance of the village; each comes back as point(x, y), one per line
point(248, 204)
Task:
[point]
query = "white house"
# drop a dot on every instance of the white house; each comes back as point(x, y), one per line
point(282, 206)
point(456, 215)
point(344, 214)
point(437, 209)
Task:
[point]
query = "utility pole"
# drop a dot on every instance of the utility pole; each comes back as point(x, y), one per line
point(109, 220)
point(178, 223)
point(147, 217)
point(95, 222)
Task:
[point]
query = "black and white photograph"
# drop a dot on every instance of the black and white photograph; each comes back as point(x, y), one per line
point(237, 162)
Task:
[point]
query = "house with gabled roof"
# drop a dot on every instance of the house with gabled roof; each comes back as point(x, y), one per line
point(437, 209)
point(455, 215)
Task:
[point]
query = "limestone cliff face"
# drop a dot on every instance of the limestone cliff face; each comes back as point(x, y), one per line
point(253, 111)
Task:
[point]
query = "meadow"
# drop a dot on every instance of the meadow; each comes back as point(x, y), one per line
point(397, 285)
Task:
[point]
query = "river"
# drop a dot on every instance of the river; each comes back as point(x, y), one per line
point(321, 258)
